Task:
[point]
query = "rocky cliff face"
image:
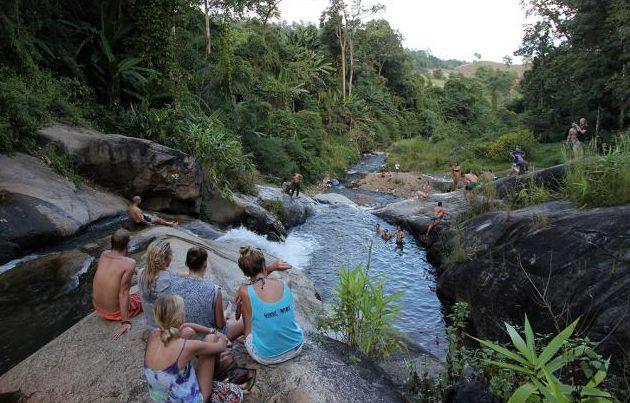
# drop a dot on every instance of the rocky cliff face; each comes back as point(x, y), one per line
point(554, 263)
point(167, 179)
point(39, 207)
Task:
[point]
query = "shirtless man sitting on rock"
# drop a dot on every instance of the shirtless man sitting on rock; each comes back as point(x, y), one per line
point(147, 219)
point(112, 281)
point(439, 213)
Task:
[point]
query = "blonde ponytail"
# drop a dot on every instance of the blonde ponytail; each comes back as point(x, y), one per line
point(169, 316)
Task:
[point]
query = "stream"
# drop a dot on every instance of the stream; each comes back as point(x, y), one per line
point(45, 293)
point(341, 235)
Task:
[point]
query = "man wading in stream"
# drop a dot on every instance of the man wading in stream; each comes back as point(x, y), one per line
point(111, 284)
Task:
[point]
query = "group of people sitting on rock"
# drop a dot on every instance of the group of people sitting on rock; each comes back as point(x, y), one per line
point(386, 235)
point(186, 322)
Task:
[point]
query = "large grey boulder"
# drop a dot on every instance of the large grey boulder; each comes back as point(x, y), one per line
point(39, 206)
point(554, 263)
point(415, 214)
point(552, 178)
point(239, 210)
point(289, 210)
point(86, 364)
point(167, 180)
point(333, 198)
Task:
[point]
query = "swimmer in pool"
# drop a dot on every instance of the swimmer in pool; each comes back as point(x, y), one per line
point(386, 235)
point(400, 235)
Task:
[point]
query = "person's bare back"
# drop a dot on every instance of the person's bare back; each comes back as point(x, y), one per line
point(111, 284)
point(111, 269)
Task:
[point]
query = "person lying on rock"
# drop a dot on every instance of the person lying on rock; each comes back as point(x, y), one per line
point(439, 213)
point(111, 284)
point(143, 218)
point(202, 299)
point(155, 279)
point(272, 333)
point(170, 351)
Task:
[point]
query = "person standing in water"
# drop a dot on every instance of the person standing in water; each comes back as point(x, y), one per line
point(379, 230)
point(400, 235)
point(456, 174)
point(296, 181)
point(386, 235)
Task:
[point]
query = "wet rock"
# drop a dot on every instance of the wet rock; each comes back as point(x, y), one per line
point(291, 211)
point(415, 214)
point(166, 179)
point(576, 258)
point(469, 392)
point(237, 211)
point(39, 206)
point(551, 178)
point(333, 198)
point(40, 297)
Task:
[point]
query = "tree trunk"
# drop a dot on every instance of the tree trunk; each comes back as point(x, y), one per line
point(599, 112)
point(622, 115)
point(351, 47)
point(207, 18)
point(342, 45)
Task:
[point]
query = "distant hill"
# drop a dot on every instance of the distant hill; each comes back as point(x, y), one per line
point(423, 61)
point(469, 69)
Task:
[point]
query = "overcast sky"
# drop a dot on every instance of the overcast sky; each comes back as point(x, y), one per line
point(451, 29)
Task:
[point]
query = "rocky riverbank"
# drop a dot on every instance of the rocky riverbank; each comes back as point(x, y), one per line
point(85, 364)
point(554, 262)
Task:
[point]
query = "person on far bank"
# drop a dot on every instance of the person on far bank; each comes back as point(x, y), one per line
point(470, 183)
point(143, 218)
point(426, 189)
point(155, 279)
point(456, 174)
point(203, 300)
point(111, 284)
point(582, 130)
point(272, 333)
point(296, 181)
point(169, 355)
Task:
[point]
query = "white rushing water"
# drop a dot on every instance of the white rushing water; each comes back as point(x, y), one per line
point(296, 250)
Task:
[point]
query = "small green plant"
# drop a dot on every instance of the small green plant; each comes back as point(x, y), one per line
point(61, 163)
point(273, 206)
point(533, 193)
point(460, 249)
point(539, 367)
point(362, 314)
point(540, 220)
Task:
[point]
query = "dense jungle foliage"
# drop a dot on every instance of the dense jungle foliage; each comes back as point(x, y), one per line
point(246, 95)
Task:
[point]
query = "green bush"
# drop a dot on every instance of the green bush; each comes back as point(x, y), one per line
point(600, 180)
point(501, 148)
point(362, 314)
point(29, 102)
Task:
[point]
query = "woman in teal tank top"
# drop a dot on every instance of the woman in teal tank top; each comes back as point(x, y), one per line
point(272, 334)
